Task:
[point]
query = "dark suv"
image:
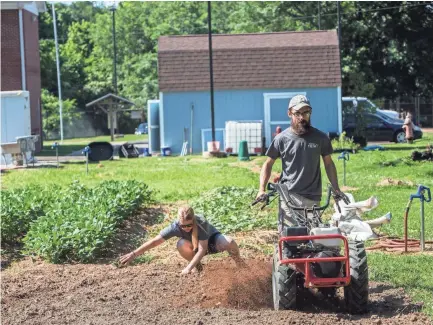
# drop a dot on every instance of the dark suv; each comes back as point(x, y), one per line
point(380, 127)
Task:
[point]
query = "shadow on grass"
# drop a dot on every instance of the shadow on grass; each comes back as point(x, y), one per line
point(406, 148)
point(79, 162)
point(40, 165)
point(49, 166)
point(63, 150)
point(91, 162)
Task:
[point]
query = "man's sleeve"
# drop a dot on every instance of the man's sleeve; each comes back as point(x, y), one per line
point(168, 232)
point(274, 149)
point(326, 146)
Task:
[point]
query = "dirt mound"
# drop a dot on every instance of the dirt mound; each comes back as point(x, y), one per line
point(348, 188)
point(249, 287)
point(394, 182)
point(40, 293)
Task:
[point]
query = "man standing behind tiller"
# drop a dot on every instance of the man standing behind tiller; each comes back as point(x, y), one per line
point(300, 147)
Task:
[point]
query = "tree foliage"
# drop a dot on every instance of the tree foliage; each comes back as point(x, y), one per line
point(386, 47)
point(51, 125)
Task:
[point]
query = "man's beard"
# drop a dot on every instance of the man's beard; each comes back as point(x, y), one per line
point(301, 127)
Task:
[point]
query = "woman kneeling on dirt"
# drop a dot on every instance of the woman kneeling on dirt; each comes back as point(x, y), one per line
point(197, 238)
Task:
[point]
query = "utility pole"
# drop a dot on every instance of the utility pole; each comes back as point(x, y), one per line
point(339, 24)
point(209, 20)
point(318, 4)
point(113, 9)
point(339, 55)
point(339, 34)
point(113, 106)
point(59, 86)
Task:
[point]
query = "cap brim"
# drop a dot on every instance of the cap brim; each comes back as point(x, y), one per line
point(297, 107)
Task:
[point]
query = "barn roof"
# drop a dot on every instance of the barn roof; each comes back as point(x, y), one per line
point(248, 61)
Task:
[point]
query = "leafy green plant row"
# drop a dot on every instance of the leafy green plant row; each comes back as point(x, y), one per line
point(229, 209)
point(21, 206)
point(79, 221)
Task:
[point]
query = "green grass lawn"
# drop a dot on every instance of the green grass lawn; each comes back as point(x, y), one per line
point(63, 150)
point(175, 178)
point(184, 178)
point(411, 272)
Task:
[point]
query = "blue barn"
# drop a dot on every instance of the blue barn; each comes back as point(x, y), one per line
point(255, 75)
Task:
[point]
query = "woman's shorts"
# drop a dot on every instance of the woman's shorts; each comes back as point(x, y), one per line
point(211, 245)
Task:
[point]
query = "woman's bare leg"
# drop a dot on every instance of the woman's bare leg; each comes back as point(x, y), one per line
point(185, 249)
point(226, 243)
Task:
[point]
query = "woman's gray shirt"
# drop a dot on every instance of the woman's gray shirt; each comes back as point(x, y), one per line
point(205, 230)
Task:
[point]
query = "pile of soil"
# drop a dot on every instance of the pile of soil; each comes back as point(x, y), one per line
point(41, 293)
point(394, 182)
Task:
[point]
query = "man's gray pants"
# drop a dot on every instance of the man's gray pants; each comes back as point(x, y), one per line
point(290, 218)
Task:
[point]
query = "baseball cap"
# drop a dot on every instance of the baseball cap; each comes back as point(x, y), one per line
point(299, 101)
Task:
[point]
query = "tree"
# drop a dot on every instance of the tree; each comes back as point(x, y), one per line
point(77, 51)
point(390, 44)
point(51, 115)
point(385, 50)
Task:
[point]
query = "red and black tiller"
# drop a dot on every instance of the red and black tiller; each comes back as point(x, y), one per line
point(315, 255)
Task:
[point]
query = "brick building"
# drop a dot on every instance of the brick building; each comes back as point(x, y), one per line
point(20, 61)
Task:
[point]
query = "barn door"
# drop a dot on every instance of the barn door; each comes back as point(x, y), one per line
point(275, 105)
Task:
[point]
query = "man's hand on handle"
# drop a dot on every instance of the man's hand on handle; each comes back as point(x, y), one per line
point(260, 195)
point(339, 195)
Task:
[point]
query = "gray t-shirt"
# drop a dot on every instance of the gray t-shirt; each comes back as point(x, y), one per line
point(205, 230)
point(300, 156)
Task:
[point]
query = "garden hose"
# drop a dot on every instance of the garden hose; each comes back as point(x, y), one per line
point(395, 244)
point(345, 156)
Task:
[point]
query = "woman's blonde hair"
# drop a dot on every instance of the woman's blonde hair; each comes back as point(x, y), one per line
point(186, 213)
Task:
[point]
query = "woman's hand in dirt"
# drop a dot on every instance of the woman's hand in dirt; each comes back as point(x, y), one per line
point(127, 258)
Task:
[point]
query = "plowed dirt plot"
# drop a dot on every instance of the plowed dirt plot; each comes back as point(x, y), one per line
point(41, 293)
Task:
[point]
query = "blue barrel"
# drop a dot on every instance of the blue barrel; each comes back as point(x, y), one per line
point(165, 151)
point(146, 152)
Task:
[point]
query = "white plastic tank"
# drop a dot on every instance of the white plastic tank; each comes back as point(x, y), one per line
point(333, 242)
point(237, 131)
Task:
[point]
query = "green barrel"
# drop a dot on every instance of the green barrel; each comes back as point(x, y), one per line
point(243, 151)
